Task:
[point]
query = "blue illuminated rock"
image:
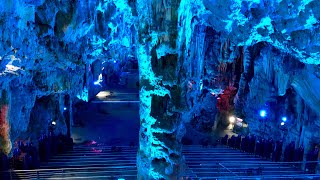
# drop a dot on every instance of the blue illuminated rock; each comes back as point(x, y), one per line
point(159, 154)
point(199, 62)
point(47, 48)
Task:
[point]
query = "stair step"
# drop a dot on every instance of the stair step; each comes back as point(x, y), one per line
point(99, 162)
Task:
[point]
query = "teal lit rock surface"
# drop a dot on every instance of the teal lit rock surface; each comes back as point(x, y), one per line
point(199, 63)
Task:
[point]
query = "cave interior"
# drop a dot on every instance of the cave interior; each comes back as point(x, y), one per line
point(160, 74)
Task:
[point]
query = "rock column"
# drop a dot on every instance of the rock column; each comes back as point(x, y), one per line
point(161, 130)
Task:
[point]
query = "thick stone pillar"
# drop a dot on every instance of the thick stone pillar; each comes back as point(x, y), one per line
point(161, 128)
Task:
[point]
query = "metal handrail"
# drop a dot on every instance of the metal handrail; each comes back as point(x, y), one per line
point(264, 162)
point(98, 166)
point(237, 176)
point(40, 173)
point(278, 176)
point(61, 169)
point(227, 169)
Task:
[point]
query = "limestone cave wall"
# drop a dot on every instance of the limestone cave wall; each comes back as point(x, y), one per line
point(285, 87)
point(46, 50)
point(199, 63)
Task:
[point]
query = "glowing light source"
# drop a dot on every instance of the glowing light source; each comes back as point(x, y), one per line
point(96, 83)
point(53, 123)
point(239, 120)
point(99, 80)
point(284, 119)
point(232, 119)
point(282, 123)
point(114, 61)
point(121, 179)
point(263, 113)
point(65, 108)
point(102, 94)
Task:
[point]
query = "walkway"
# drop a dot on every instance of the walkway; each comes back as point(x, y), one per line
point(101, 162)
point(226, 163)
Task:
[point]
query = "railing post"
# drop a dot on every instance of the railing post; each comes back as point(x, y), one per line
point(38, 177)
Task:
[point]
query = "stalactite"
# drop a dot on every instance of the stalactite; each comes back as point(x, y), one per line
point(282, 82)
point(240, 99)
point(299, 110)
point(200, 49)
point(268, 64)
point(307, 86)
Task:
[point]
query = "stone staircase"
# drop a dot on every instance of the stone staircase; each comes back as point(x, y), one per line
point(88, 162)
point(225, 163)
point(99, 162)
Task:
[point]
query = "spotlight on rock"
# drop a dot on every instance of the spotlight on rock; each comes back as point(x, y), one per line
point(263, 113)
point(284, 119)
point(232, 119)
point(282, 123)
point(53, 123)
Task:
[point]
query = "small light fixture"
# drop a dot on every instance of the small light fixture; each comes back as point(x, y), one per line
point(282, 123)
point(232, 119)
point(114, 61)
point(53, 123)
point(284, 119)
point(103, 94)
point(65, 108)
point(263, 113)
